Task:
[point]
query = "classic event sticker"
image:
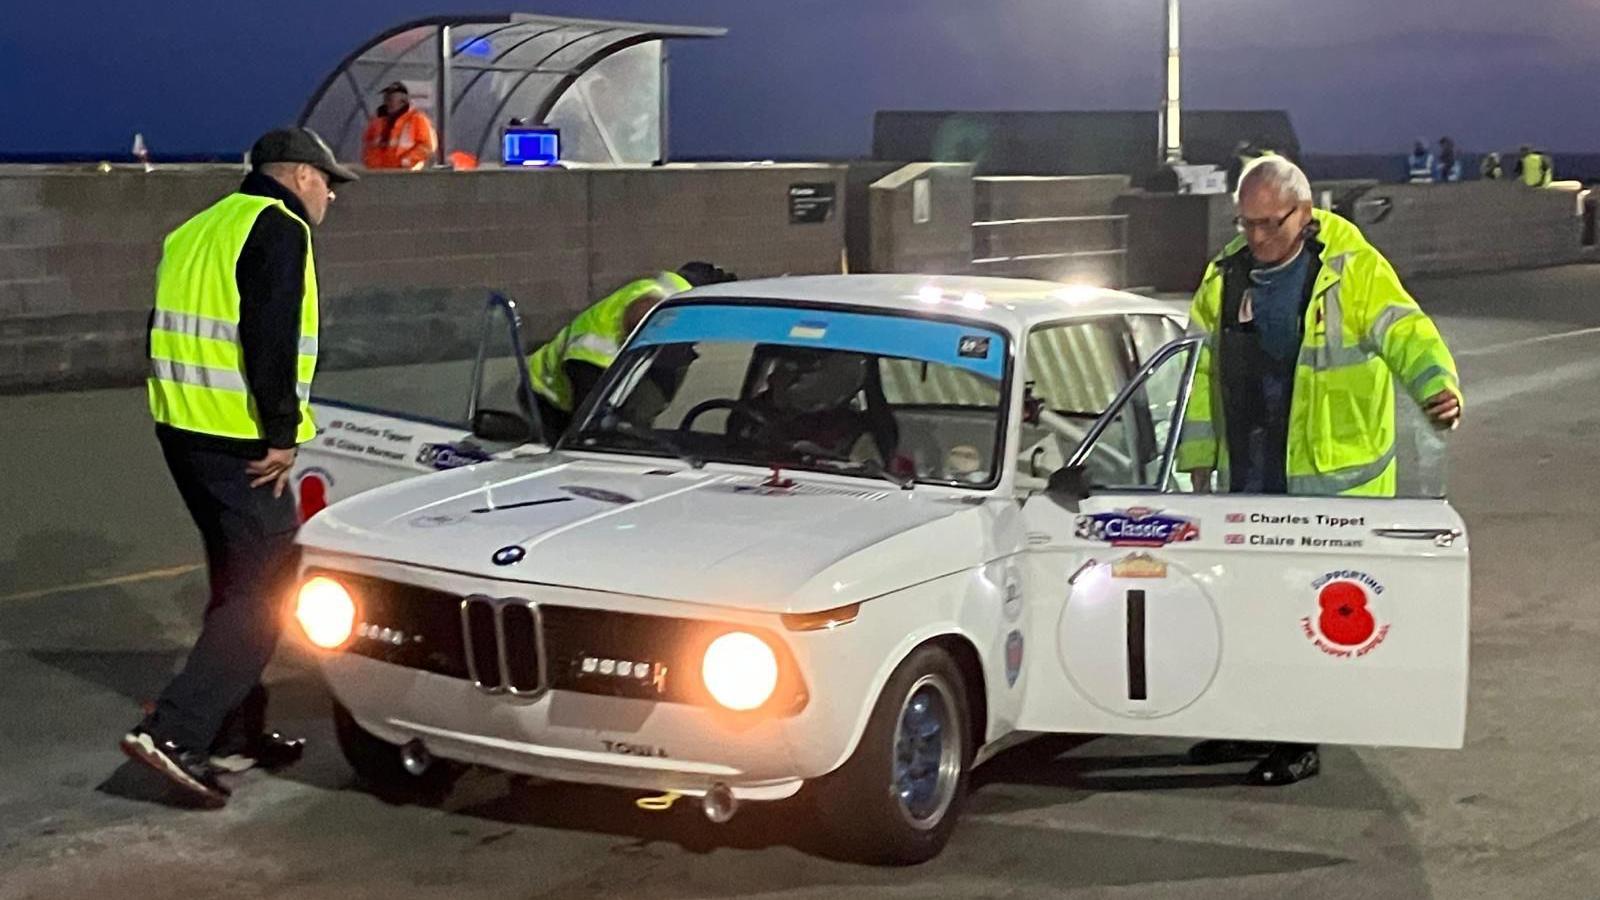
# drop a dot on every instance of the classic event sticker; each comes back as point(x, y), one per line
point(1137, 526)
point(1346, 626)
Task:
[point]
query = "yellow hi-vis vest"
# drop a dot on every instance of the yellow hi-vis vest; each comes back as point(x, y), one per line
point(1537, 171)
point(197, 379)
point(1362, 331)
point(594, 337)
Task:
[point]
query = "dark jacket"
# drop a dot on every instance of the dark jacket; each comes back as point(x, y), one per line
point(271, 278)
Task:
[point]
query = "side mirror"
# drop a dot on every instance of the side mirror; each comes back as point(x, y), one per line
point(1069, 483)
point(500, 427)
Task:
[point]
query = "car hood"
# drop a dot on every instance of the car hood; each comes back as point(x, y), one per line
point(722, 538)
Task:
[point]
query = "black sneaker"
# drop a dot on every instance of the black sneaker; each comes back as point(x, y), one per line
point(188, 769)
point(1286, 764)
point(270, 751)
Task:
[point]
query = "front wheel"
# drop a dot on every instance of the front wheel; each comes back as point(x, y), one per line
point(380, 765)
point(897, 799)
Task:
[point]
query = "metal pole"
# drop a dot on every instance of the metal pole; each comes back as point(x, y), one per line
point(1171, 99)
point(441, 101)
point(664, 126)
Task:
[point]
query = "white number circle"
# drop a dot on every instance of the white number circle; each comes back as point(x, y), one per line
point(1140, 648)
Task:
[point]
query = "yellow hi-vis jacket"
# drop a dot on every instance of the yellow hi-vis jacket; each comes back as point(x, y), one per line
point(197, 379)
point(594, 337)
point(1361, 331)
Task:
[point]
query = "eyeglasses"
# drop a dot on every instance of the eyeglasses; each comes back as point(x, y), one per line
point(1267, 225)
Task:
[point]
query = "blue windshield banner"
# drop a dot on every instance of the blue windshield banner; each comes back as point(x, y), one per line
point(976, 348)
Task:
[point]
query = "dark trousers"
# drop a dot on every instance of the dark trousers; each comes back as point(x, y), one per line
point(218, 701)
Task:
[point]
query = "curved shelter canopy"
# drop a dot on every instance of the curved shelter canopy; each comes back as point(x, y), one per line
point(602, 83)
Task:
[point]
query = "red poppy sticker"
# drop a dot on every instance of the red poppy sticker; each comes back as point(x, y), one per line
point(1346, 625)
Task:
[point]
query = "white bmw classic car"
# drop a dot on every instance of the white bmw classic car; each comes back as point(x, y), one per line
point(855, 534)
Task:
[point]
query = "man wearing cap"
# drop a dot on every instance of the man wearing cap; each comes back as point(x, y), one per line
point(233, 347)
point(400, 136)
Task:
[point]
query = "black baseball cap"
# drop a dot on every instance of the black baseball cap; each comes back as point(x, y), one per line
point(299, 145)
point(396, 87)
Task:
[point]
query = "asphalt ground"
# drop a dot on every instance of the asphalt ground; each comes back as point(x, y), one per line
point(100, 593)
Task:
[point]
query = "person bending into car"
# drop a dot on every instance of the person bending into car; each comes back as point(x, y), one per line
point(1307, 331)
point(565, 370)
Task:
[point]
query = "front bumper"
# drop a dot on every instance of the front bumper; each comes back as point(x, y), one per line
point(571, 735)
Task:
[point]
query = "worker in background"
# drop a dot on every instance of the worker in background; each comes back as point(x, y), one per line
point(1534, 168)
point(565, 370)
point(400, 136)
point(1244, 153)
point(233, 347)
point(1307, 331)
point(1490, 168)
point(1447, 167)
point(1419, 166)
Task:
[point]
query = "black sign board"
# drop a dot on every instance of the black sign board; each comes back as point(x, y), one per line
point(810, 203)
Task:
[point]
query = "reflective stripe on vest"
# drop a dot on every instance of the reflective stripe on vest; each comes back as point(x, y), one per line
point(595, 337)
point(197, 380)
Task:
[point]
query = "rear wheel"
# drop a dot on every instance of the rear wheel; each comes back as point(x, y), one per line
point(381, 766)
point(897, 799)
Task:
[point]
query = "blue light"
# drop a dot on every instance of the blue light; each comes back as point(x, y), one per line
point(531, 146)
point(475, 47)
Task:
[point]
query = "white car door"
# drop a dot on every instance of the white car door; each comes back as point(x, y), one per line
point(1326, 620)
point(358, 448)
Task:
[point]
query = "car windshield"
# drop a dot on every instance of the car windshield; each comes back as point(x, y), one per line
point(898, 397)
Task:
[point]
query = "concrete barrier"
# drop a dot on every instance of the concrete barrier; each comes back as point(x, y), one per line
point(932, 234)
point(1060, 228)
point(405, 259)
point(1471, 226)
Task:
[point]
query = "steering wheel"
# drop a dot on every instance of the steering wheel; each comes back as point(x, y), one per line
point(743, 407)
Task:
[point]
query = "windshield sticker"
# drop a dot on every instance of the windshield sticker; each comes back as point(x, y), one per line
point(1345, 624)
point(882, 334)
point(1137, 527)
point(809, 331)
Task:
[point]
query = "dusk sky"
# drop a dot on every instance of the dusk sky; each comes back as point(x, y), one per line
point(804, 77)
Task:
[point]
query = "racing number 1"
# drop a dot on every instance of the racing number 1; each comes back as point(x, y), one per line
point(1137, 687)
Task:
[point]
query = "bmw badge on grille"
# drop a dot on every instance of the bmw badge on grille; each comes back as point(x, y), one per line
point(507, 556)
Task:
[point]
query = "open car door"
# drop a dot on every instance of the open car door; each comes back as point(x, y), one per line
point(1305, 619)
point(360, 447)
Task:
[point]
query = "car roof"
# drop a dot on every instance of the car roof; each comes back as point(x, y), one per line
point(1012, 304)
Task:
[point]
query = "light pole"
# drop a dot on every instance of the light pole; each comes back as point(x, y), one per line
point(1171, 103)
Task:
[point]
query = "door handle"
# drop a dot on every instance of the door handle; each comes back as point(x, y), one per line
point(1441, 537)
point(1073, 578)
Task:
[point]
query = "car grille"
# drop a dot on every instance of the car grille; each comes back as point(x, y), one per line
point(625, 654)
point(514, 646)
point(407, 626)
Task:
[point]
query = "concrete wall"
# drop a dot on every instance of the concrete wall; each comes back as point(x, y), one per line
point(1060, 228)
point(940, 245)
point(405, 259)
point(1172, 236)
point(1471, 226)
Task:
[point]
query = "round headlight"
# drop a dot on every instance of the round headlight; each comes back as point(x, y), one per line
point(326, 612)
point(740, 670)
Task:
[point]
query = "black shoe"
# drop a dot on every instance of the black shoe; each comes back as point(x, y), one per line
point(270, 751)
point(1286, 764)
point(1211, 753)
point(187, 769)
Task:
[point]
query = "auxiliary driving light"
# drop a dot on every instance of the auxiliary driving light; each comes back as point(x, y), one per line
point(740, 670)
point(326, 612)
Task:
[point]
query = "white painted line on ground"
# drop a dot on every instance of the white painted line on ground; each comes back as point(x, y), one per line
point(1504, 388)
point(1524, 342)
point(150, 575)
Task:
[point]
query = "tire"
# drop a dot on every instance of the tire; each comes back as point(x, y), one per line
point(876, 810)
point(377, 764)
